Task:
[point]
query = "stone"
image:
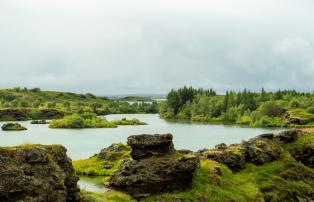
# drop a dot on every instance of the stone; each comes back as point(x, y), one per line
point(144, 146)
point(154, 175)
point(289, 136)
point(156, 167)
point(12, 126)
point(232, 156)
point(260, 150)
point(37, 173)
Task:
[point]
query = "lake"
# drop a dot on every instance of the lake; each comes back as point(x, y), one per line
point(83, 143)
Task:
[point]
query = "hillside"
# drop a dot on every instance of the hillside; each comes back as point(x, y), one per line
point(23, 102)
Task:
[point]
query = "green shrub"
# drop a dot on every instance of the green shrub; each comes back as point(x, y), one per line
point(310, 110)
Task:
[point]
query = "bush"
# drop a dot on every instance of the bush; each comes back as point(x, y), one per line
point(310, 110)
point(271, 109)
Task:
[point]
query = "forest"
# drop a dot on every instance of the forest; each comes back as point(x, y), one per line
point(282, 108)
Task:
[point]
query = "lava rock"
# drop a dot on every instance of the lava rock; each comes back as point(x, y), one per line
point(12, 126)
point(155, 175)
point(37, 173)
point(260, 150)
point(144, 146)
point(289, 136)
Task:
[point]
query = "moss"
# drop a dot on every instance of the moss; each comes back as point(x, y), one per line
point(302, 141)
point(104, 164)
point(13, 127)
point(102, 197)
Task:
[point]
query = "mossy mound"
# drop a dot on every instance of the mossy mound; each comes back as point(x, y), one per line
point(90, 120)
point(13, 127)
point(105, 163)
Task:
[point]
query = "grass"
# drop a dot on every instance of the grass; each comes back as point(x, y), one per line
point(281, 180)
point(102, 197)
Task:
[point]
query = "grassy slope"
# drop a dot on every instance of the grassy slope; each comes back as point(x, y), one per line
point(280, 180)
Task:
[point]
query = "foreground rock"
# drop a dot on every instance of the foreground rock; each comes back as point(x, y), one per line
point(37, 173)
point(156, 167)
point(144, 146)
point(12, 127)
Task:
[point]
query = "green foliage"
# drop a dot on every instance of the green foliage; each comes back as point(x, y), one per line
point(310, 110)
point(90, 120)
point(125, 122)
point(36, 99)
point(264, 109)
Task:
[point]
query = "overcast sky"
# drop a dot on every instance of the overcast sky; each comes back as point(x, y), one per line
point(150, 46)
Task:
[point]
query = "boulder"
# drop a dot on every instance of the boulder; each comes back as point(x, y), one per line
point(289, 136)
point(154, 175)
point(115, 152)
point(37, 173)
point(260, 150)
point(232, 156)
point(304, 155)
point(144, 146)
point(12, 126)
point(156, 167)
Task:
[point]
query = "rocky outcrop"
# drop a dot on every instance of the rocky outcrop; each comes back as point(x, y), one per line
point(40, 122)
point(232, 156)
point(12, 127)
point(144, 146)
point(156, 167)
point(37, 173)
point(304, 154)
point(259, 150)
point(289, 136)
point(13, 114)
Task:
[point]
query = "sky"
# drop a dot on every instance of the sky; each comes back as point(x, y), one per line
point(111, 47)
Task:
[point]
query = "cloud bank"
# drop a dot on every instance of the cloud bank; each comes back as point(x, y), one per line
point(144, 46)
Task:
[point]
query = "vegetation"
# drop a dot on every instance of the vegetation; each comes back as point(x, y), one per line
point(283, 180)
point(103, 164)
point(13, 126)
point(25, 104)
point(263, 109)
point(90, 120)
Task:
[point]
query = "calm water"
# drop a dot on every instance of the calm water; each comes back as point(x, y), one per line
point(83, 143)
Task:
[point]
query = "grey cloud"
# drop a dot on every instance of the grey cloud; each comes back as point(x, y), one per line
point(112, 47)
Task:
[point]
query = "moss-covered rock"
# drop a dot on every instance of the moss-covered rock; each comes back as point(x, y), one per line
point(303, 150)
point(105, 163)
point(13, 127)
point(156, 167)
point(37, 173)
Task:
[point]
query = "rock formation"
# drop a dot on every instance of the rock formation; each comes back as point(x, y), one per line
point(258, 150)
point(156, 167)
point(12, 126)
point(144, 146)
point(37, 173)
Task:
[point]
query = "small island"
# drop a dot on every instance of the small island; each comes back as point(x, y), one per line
point(13, 127)
point(90, 120)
